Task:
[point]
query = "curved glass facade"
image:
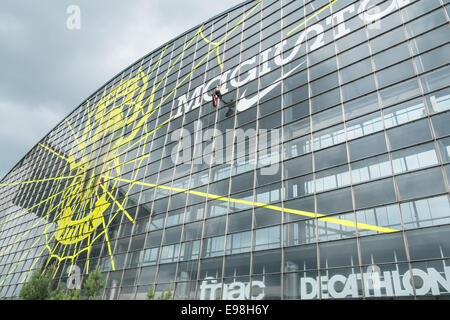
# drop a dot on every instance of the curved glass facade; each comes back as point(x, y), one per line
point(322, 172)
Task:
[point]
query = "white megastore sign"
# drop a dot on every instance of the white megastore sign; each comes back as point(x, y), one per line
point(234, 79)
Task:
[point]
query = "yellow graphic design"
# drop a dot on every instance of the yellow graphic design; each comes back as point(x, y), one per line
point(315, 14)
point(84, 192)
point(69, 231)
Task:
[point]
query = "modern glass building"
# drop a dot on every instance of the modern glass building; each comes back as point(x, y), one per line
point(322, 172)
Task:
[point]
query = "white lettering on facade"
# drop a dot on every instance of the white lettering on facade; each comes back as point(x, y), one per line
point(392, 284)
point(202, 93)
point(232, 291)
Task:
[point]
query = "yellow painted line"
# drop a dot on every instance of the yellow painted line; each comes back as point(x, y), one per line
point(35, 181)
point(27, 252)
point(139, 140)
point(21, 258)
point(73, 132)
point(26, 232)
point(216, 45)
point(272, 207)
point(207, 55)
point(54, 152)
point(131, 161)
point(47, 225)
point(176, 61)
point(239, 23)
point(36, 205)
point(312, 16)
point(118, 203)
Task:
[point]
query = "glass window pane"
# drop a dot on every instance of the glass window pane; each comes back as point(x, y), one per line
point(422, 183)
point(444, 146)
point(150, 256)
point(172, 235)
point(426, 212)
point(403, 113)
point(215, 226)
point(298, 166)
point(190, 250)
point(272, 284)
point(367, 146)
point(334, 201)
point(439, 101)
point(338, 253)
point(429, 243)
point(240, 221)
point(430, 39)
point(211, 268)
point(192, 231)
point(326, 118)
point(266, 217)
point(337, 228)
point(213, 246)
point(239, 242)
point(299, 187)
point(154, 239)
point(147, 275)
point(267, 238)
point(441, 124)
point(432, 59)
point(409, 134)
point(361, 106)
point(301, 232)
point(364, 125)
point(434, 80)
point(358, 88)
point(395, 73)
point(332, 178)
point(371, 169)
point(169, 253)
point(304, 204)
point(356, 70)
point(399, 92)
point(385, 216)
point(296, 112)
point(329, 137)
point(166, 273)
point(383, 248)
point(388, 39)
point(267, 261)
point(300, 258)
point(331, 157)
point(424, 23)
point(187, 271)
point(374, 193)
point(237, 265)
point(391, 56)
point(325, 100)
point(414, 158)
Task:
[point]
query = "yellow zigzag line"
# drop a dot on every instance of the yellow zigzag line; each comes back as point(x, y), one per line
point(217, 44)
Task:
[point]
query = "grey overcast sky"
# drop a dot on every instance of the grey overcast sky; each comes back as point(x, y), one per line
point(46, 70)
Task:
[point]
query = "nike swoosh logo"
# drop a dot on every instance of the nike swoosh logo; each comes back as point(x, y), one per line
point(243, 103)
